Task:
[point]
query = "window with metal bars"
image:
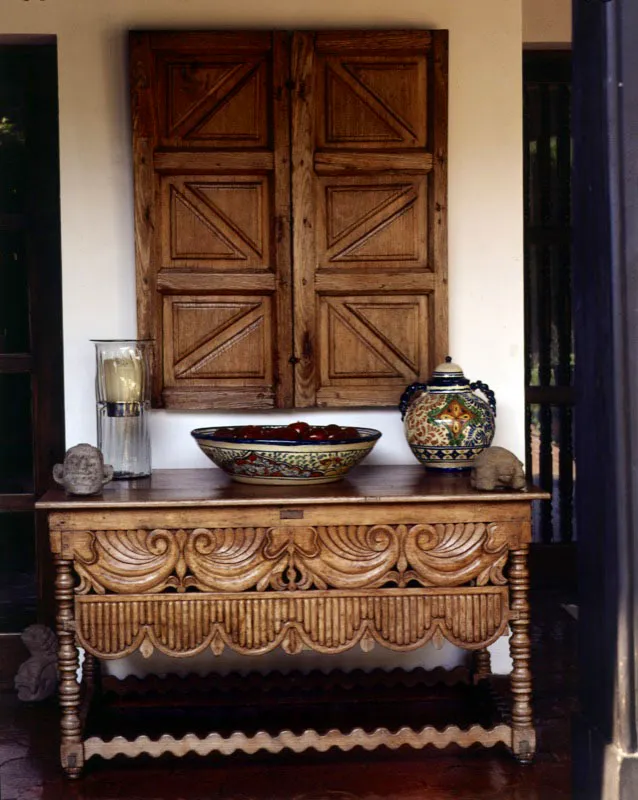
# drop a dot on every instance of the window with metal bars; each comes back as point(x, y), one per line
point(549, 361)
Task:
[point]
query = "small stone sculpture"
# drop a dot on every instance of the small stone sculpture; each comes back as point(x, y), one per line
point(83, 471)
point(37, 678)
point(497, 468)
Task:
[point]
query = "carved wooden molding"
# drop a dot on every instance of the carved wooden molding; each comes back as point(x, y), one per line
point(309, 739)
point(329, 622)
point(290, 558)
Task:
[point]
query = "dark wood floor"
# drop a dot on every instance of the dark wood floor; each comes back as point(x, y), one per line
point(29, 768)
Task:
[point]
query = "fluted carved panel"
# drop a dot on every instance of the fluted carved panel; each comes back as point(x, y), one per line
point(292, 558)
point(183, 625)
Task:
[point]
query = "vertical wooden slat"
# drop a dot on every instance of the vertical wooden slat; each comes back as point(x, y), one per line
point(146, 198)
point(437, 213)
point(282, 222)
point(303, 233)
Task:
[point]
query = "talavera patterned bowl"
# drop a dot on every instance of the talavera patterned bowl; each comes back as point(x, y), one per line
point(272, 461)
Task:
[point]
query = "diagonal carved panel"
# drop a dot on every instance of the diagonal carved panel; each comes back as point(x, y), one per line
point(395, 87)
point(216, 102)
point(194, 322)
point(239, 116)
point(351, 119)
point(352, 355)
point(377, 224)
point(194, 235)
point(351, 207)
point(373, 337)
point(190, 86)
point(216, 223)
point(381, 318)
point(380, 102)
point(224, 338)
point(240, 205)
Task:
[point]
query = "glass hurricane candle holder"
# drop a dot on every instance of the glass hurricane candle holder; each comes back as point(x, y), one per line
point(123, 393)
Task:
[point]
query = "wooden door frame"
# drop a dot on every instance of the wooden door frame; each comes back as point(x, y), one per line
point(606, 332)
point(45, 360)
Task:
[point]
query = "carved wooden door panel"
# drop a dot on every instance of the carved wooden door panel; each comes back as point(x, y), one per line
point(218, 119)
point(369, 139)
point(212, 204)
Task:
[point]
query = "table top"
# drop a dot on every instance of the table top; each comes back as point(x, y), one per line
point(212, 487)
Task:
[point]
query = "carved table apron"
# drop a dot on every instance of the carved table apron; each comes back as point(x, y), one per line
point(187, 560)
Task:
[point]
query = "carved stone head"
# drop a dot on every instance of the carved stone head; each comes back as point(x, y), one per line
point(497, 468)
point(83, 471)
point(38, 639)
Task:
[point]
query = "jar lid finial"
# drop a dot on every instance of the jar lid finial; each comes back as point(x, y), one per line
point(448, 368)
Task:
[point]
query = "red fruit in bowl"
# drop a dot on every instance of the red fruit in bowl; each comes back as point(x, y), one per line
point(350, 433)
point(283, 434)
point(249, 431)
point(317, 435)
point(333, 430)
point(224, 432)
point(302, 429)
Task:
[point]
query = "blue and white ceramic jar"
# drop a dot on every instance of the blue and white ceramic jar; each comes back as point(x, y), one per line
point(447, 424)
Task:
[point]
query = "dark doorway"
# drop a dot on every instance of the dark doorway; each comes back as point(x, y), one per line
point(549, 350)
point(31, 377)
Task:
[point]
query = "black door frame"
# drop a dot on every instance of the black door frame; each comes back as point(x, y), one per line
point(605, 257)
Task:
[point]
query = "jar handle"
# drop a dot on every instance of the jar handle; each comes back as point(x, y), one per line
point(489, 394)
point(406, 397)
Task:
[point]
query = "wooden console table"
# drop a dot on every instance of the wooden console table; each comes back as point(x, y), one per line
point(188, 560)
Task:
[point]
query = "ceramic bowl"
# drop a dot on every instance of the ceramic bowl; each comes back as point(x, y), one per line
point(272, 461)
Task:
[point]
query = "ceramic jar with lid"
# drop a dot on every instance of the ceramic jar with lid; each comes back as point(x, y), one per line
point(447, 422)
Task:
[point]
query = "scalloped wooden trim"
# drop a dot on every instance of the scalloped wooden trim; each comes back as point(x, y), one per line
point(182, 625)
point(308, 740)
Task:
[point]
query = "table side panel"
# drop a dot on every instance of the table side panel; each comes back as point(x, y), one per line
point(290, 557)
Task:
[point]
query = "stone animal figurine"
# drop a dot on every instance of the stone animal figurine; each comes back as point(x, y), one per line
point(37, 678)
point(83, 471)
point(497, 468)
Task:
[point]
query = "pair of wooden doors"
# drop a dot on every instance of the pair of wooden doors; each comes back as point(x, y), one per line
point(290, 214)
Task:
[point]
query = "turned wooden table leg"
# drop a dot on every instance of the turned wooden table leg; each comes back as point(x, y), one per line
point(71, 747)
point(523, 733)
point(482, 666)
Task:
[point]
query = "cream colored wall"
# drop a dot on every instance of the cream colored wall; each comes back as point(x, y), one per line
point(547, 22)
point(485, 194)
point(485, 219)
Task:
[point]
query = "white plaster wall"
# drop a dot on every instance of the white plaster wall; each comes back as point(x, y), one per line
point(485, 189)
point(547, 22)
